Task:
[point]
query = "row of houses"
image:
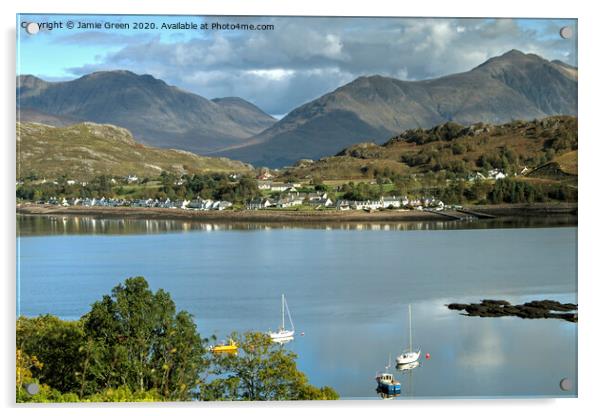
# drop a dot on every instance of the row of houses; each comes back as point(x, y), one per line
point(129, 179)
point(278, 186)
point(321, 199)
point(195, 204)
point(495, 174)
point(291, 199)
point(390, 202)
point(55, 182)
point(317, 200)
point(88, 202)
point(208, 205)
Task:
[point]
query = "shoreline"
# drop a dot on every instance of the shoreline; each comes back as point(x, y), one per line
point(269, 216)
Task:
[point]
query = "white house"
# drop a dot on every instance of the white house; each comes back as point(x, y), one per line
point(282, 187)
point(343, 205)
point(319, 199)
point(207, 204)
point(289, 201)
point(321, 202)
point(376, 204)
point(391, 202)
point(496, 174)
point(222, 205)
point(475, 176)
point(317, 195)
point(264, 185)
point(196, 203)
point(259, 203)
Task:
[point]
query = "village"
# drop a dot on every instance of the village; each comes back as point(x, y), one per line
point(195, 204)
point(288, 199)
point(292, 195)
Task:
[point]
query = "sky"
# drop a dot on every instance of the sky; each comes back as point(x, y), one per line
point(278, 69)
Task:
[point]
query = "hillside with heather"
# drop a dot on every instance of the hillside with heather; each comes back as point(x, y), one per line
point(546, 147)
point(86, 150)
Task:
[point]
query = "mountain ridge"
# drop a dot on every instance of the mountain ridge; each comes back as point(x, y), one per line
point(508, 87)
point(157, 113)
point(503, 88)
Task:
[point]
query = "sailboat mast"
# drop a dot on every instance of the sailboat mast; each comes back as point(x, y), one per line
point(283, 311)
point(410, 315)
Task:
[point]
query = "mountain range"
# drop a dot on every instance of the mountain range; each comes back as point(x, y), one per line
point(512, 86)
point(370, 108)
point(156, 113)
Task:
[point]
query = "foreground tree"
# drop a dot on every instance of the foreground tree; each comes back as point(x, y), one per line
point(55, 346)
point(134, 346)
point(143, 343)
point(262, 370)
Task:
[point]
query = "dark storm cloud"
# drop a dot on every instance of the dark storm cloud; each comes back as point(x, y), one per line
point(304, 58)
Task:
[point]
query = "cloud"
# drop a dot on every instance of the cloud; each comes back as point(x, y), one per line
point(101, 38)
point(303, 58)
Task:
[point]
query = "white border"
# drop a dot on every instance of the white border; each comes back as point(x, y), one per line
point(590, 154)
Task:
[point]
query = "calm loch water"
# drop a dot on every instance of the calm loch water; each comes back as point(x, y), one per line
point(347, 286)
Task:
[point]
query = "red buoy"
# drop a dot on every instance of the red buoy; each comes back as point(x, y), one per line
point(428, 356)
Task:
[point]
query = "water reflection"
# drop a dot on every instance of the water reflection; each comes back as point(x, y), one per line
point(350, 292)
point(380, 392)
point(31, 225)
point(407, 376)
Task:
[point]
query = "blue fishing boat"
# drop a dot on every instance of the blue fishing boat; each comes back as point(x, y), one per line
point(387, 386)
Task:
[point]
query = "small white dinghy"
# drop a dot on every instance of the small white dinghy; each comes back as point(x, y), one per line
point(284, 335)
point(408, 356)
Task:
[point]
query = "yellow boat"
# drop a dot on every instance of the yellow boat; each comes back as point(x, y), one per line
point(230, 348)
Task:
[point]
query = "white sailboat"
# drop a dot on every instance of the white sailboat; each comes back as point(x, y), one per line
point(284, 335)
point(409, 356)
